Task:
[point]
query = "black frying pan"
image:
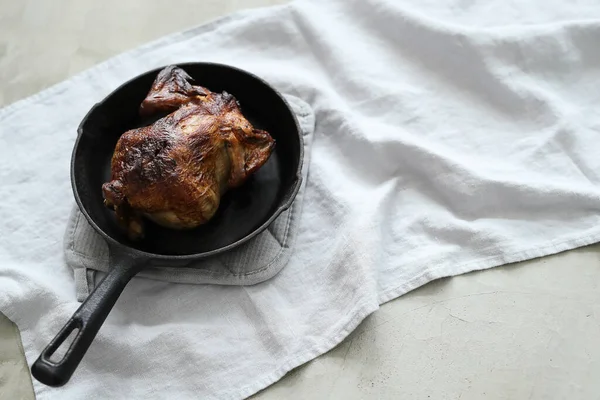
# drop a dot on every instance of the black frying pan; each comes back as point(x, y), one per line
point(244, 212)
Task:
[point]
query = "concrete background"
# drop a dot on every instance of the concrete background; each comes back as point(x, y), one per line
point(525, 331)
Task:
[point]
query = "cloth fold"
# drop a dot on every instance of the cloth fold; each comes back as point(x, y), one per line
point(254, 262)
point(449, 137)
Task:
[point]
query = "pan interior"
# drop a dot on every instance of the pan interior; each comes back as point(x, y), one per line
point(242, 211)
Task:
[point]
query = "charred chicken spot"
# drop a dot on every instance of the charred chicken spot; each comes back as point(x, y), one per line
point(133, 159)
point(148, 161)
point(156, 168)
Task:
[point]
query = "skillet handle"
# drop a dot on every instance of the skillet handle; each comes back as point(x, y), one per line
point(87, 320)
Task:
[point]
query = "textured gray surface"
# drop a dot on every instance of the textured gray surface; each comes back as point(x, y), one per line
point(530, 330)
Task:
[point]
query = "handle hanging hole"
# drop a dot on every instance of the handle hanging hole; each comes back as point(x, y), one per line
point(57, 354)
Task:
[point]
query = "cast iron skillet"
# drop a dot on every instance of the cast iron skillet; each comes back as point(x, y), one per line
point(243, 213)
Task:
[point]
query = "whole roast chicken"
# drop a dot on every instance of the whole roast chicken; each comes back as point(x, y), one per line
point(175, 171)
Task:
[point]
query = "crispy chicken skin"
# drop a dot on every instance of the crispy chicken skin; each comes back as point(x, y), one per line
point(175, 171)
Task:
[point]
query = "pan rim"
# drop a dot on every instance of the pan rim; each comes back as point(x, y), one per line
point(288, 198)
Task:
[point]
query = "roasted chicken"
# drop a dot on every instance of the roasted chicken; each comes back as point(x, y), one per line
point(175, 171)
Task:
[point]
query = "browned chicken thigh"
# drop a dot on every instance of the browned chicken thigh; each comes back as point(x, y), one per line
point(176, 170)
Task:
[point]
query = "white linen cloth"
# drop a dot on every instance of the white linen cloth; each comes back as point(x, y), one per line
point(450, 136)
